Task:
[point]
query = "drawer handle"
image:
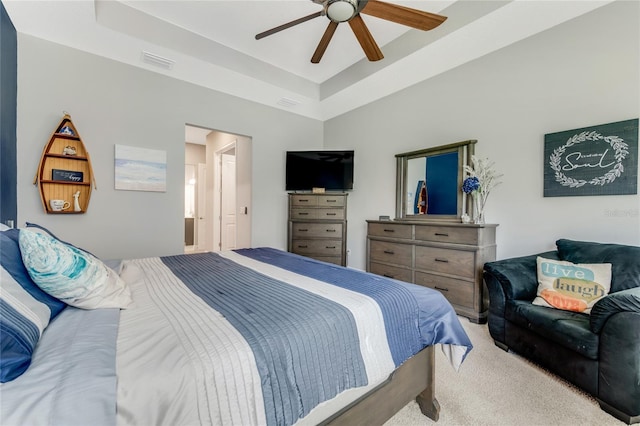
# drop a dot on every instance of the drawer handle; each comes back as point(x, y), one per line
point(331, 214)
point(303, 230)
point(441, 260)
point(389, 230)
point(331, 201)
point(442, 234)
point(302, 200)
point(299, 246)
point(389, 252)
point(331, 230)
point(302, 214)
point(441, 289)
point(330, 247)
point(387, 275)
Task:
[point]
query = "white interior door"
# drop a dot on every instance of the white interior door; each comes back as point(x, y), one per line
point(228, 202)
point(201, 207)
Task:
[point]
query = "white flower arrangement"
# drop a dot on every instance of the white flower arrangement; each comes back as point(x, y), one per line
point(481, 179)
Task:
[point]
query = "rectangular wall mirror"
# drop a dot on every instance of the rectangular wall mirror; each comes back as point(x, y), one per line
point(429, 181)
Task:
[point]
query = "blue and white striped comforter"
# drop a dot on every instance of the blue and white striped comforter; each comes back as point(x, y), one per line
point(260, 336)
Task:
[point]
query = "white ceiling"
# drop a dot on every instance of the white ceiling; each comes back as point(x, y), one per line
point(211, 43)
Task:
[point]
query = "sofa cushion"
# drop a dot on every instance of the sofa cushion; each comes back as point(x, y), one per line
point(571, 286)
point(625, 268)
point(569, 329)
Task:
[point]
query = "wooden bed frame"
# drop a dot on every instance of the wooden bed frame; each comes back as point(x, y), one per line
point(413, 379)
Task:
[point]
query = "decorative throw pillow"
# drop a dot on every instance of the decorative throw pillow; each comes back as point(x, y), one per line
point(571, 286)
point(70, 274)
point(25, 310)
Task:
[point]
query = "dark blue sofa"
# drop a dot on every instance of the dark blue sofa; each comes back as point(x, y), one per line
point(599, 353)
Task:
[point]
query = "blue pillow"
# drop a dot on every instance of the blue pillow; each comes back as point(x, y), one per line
point(25, 310)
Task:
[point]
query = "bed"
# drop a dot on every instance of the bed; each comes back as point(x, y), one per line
point(250, 336)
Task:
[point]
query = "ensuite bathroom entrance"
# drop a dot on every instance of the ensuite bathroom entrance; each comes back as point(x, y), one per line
point(217, 211)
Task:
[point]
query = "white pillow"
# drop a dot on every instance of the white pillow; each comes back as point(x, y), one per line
point(571, 286)
point(70, 274)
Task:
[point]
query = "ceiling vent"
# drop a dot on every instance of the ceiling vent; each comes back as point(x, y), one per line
point(288, 102)
point(157, 60)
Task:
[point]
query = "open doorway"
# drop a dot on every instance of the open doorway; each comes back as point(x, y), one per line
point(221, 189)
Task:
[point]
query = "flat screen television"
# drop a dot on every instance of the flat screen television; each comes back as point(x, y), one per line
point(331, 170)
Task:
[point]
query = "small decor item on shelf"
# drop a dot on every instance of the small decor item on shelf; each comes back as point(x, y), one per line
point(66, 175)
point(481, 180)
point(69, 150)
point(66, 130)
point(76, 202)
point(465, 218)
point(59, 205)
point(421, 198)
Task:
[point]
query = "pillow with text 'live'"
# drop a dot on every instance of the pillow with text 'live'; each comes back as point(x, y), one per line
point(571, 286)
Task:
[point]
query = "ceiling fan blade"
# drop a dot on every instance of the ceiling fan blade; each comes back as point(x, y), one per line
point(365, 39)
point(403, 15)
point(288, 25)
point(324, 42)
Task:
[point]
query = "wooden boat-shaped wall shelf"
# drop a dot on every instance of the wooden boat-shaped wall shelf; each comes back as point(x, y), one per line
point(65, 172)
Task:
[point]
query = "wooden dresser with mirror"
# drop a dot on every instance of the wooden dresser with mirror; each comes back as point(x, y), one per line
point(427, 243)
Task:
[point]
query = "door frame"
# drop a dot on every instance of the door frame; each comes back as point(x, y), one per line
point(200, 216)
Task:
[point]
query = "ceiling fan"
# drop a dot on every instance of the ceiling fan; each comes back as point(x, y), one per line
point(349, 11)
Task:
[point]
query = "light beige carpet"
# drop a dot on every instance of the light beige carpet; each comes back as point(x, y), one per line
point(497, 388)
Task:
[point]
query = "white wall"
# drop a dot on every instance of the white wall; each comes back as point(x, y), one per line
point(112, 103)
point(194, 153)
point(583, 73)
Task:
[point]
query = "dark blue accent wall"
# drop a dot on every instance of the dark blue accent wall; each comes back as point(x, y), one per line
point(442, 183)
point(8, 101)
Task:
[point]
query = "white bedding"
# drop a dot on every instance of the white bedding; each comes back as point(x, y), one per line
point(210, 375)
point(179, 361)
point(71, 380)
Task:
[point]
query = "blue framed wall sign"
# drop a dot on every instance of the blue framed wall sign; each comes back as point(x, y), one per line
point(596, 160)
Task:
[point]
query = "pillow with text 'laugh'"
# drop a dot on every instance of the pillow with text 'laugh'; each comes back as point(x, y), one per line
point(571, 286)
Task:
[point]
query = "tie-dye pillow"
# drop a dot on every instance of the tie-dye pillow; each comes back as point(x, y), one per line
point(70, 274)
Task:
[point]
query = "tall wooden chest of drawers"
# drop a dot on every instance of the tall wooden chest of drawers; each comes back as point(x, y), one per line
point(318, 226)
point(448, 257)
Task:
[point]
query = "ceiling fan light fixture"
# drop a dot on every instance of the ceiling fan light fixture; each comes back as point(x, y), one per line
point(341, 10)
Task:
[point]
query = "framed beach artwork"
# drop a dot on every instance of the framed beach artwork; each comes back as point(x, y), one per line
point(140, 169)
point(595, 160)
